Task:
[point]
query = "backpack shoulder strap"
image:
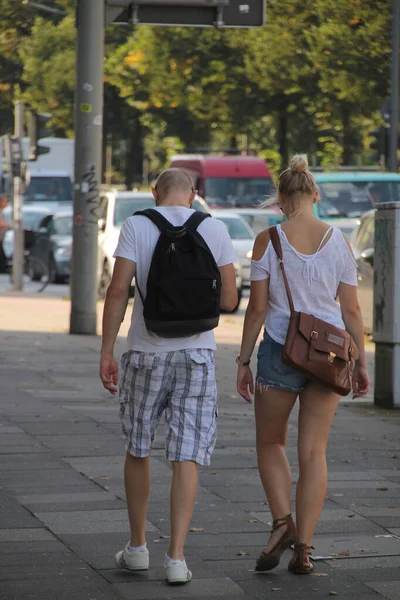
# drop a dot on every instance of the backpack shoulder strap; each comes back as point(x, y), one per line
point(195, 219)
point(159, 221)
point(276, 243)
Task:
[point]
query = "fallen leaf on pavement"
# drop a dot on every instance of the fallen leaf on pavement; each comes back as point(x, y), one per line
point(364, 550)
point(333, 593)
point(196, 529)
point(276, 589)
point(351, 516)
point(319, 574)
point(382, 489)
point(242, 553)
point(378, 566)
point(337, 495)
point(253, 521)
point(164, 537)
point(344, 553)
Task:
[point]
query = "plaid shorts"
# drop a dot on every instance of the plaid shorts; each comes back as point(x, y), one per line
point(181, 386)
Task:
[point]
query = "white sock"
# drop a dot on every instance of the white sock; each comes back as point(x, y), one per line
point(173, 561)
point(137, 548)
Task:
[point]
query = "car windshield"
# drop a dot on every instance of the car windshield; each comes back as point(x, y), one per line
point(62, 226)
point(352, 199)
point(49, 189)
point(236, 228)
point(125, 207)
point(241, 192)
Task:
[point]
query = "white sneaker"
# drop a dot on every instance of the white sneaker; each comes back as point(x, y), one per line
point(137, 560)
point(176, 571)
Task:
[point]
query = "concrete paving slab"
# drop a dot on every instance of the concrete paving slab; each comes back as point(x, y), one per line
point(197, 587)
point(26, 535)
point(30, 462)
point(355, 545)
point(389, 589)
point(57, 559)
point(94, 495)
point(64, 589)
point(87, 522)
point(23, 547)
point(366, 562)
point(54, 507)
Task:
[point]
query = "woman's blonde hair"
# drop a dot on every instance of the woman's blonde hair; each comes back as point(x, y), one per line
point(297, 179)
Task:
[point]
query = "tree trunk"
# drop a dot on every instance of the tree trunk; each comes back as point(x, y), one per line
point(347, 137)
point(134, 157)
point(282, 138)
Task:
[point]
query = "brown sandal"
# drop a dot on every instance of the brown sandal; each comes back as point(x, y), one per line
point(269, 561)
point(299, 565)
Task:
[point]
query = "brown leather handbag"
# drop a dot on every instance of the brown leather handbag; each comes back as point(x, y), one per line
point(322, 352)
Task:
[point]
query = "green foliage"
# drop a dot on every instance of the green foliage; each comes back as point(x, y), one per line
point(312, 80)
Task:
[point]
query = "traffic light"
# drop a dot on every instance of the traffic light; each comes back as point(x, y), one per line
point(36, 131)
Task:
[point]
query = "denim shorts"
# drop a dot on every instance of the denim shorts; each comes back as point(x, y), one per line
point(272, 372)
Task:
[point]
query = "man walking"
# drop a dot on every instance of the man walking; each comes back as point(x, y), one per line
point(170, 376)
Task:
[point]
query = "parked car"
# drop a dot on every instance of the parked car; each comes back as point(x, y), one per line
point(116, 208)
point(362, 241)
point(31, 219)
point(53, 245)
point(242, 237)
point(346, 195)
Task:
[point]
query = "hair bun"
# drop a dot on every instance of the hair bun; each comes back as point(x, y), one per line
point(299, 163)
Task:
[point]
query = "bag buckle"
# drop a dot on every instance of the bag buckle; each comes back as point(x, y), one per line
point(331, 357)
point(314, 335)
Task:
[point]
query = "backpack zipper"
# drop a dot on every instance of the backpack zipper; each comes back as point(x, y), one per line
point(171, 248)
point(214, 284)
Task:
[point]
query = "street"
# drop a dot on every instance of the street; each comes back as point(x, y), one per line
point(63, 502)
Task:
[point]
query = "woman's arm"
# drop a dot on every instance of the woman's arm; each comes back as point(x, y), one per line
point(253, 321)
point(352, 318)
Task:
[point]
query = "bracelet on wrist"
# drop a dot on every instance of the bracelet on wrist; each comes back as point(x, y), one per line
point(242, 363)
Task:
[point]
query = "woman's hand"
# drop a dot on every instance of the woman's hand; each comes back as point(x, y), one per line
point(245, 383)
point(361, 382)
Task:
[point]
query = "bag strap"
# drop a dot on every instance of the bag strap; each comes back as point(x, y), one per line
point(276, 243)
point(157, 218)
point(195, 220)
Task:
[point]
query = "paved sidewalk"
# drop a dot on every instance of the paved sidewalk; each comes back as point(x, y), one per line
point(62, 502)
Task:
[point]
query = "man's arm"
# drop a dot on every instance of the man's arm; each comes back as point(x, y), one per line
point(229, 297)
point(113, 315)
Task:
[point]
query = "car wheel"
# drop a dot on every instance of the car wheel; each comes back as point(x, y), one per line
point(105, 280)
point(32, 272)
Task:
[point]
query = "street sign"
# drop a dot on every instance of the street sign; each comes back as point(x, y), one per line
point(194, 13)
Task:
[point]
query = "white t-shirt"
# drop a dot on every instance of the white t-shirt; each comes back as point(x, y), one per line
point(313, 280)
point(137, 241)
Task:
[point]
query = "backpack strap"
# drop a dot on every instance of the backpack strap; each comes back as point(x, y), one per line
point(157, 218)
point(195, 219)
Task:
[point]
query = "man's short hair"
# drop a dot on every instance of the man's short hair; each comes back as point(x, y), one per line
point(174, 179)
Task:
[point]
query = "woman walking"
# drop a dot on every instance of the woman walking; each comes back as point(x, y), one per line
point(320, 267)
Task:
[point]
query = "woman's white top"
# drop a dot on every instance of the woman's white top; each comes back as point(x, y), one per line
point(313, 280)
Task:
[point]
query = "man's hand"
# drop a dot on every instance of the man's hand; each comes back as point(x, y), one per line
point(109, 373)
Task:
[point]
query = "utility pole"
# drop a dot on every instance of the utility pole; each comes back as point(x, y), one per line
point(18, 254)
point(90, 17)
point(394, 94)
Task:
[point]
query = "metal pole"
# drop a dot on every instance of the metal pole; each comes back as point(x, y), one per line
point(394, 97)
point(88, 148)
point(18, 254)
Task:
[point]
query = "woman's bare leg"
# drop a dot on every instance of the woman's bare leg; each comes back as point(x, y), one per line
point(272, 411)
point(317, 409)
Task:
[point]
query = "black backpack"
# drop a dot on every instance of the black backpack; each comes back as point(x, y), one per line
point(184, 282)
